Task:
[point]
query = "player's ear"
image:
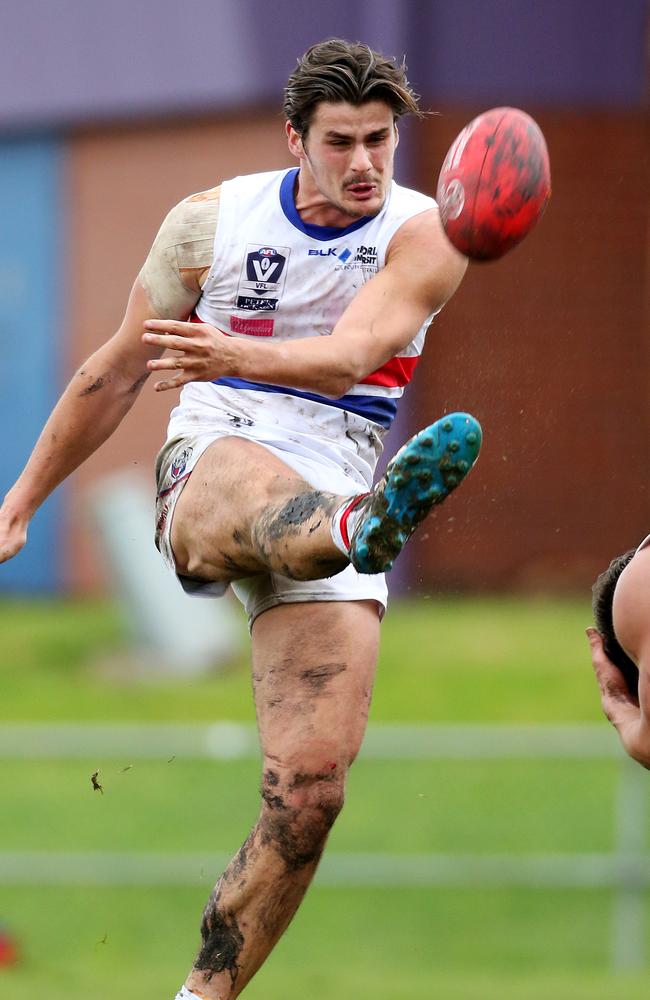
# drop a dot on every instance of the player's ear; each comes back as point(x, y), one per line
point(396, 135)
point(295, 140)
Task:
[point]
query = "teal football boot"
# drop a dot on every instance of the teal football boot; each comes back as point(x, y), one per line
point(421, 475)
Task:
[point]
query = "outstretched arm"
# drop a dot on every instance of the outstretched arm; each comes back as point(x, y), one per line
point(104, 389)
point(97, 398)
point(422, 272)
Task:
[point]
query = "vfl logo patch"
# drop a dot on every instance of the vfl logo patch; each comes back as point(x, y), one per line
point(264, 266)
point(262, 277)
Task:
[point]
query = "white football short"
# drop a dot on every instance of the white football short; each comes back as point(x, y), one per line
point(336, 464)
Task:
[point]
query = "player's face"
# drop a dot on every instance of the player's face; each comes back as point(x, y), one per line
point(347, 156)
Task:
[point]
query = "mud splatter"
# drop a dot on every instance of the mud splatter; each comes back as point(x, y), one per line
point(237, 421)
point(273, 801)
point(317, 678)
point(301, 780)
point(137, 385)
point(330, 565)
point(293, 514)
point(298, 835)
point(98, 384)
point(230, 564)
point(237, 867)
point(270, 782)
point(222, 942)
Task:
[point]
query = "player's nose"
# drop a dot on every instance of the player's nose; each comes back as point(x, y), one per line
point(361, 162)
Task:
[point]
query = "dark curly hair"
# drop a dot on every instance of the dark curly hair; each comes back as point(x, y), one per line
point(338, 71)
point(602, 600)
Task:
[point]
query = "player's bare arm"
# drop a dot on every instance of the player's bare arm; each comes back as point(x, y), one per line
point(97, 398)
point(629, 715)
point(422, 272)
point(105, 387)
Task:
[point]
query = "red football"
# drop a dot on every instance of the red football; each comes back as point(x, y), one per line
point(494, 184)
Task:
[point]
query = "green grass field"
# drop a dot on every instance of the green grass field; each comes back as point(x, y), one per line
point(451, 661)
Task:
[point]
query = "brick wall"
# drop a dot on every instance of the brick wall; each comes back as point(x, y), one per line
point(549, 348)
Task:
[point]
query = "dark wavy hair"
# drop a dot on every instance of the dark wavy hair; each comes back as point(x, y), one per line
point(602, 600)
point(338, 71)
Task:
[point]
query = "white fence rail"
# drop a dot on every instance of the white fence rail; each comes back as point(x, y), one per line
point(235, 740)
point(626, 870)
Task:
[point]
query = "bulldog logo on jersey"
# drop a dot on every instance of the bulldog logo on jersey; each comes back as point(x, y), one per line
point(180, 462)
point(262, 277)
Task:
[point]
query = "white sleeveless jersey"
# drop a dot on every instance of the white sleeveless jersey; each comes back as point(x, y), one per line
point(276, 276)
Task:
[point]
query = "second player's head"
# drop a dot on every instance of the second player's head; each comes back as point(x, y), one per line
point(603, 600)
point(342, 104)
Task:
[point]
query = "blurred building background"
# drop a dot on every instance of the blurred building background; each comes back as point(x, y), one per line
point(110, 114)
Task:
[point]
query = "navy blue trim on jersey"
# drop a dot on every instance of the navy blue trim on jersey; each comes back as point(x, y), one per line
point(380, 409)
point(288, 204)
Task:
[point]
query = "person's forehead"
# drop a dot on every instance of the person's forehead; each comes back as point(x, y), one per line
point(344, 118)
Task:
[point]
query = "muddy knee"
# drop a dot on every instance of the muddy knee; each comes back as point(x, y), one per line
point(298, 812)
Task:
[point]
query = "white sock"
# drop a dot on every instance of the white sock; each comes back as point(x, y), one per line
point(345, 521)
point(184, 994)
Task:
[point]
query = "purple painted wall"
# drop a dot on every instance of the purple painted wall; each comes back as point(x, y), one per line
point(79, 61)
point(539, 52)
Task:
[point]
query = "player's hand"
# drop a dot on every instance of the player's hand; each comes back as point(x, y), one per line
point(204, 352)
point(619, 705)
point(13, 535)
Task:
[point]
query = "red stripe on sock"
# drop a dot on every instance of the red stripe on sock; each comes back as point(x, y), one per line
point(345, 515)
